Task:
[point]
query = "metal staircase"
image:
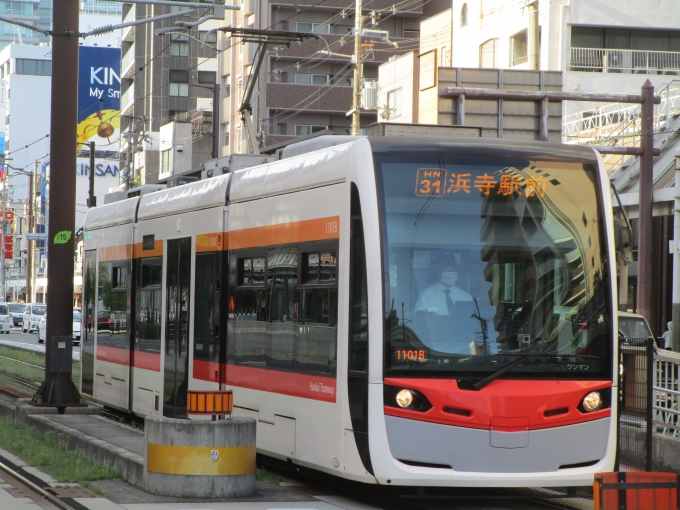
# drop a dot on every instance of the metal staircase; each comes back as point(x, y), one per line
point(619, 125)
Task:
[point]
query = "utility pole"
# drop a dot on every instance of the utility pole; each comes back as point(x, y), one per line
point(216, 121)
point(644, 290)
point(358, 71)
point(3, 227)
point(91, 200)
point(131, 136)
point(675, 338)
point(29, 230)
point(58, 390)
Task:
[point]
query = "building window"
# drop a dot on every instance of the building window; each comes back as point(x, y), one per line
point(464, 16)
point(227, 90)
point(207, 77)
point(179, 83)
point(34, 67)
point(304, 130)
point(316, 28)
point(166, 161)
point(487, 53)
point(179, 45)
point(518, 48)
point(394, 103)
point(442, 57)
point(207, 37)
point(226, 138)
point(178, 115)
point(311, 79)
point(411, 34)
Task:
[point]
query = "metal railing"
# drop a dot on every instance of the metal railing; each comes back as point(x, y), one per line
point(666, 393)
point(619, 124)
point(635, 411)
point(624, 61)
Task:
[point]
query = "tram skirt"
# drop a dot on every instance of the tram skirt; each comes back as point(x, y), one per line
point(200, 459)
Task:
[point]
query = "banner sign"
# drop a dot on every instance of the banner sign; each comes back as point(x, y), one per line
point(98, 96)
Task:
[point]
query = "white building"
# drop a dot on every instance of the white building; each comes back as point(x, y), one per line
point(609, 45)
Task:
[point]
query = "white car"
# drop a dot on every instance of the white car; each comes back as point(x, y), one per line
point(77, 318)
point(32, 315)
point(5, 318)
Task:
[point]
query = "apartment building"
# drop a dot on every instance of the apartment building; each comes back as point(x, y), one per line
point(609, 45)
point(307, 87)
point(164, 77)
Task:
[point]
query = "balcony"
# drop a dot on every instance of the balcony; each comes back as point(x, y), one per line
point(127, 98)
point(597, 60)
point(127, 63)
point(129, 32)
point(312, 98)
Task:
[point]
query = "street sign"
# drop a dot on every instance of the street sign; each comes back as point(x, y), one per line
point(39, 236)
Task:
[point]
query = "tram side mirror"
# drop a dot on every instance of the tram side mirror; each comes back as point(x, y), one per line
point(625, 244)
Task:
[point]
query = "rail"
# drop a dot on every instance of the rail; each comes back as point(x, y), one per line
point(666, 403)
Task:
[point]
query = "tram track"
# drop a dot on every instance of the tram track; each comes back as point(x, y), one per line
point(21, 380)
point(18, 477)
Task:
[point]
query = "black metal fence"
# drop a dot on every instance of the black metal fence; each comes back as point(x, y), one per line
point(636, 367)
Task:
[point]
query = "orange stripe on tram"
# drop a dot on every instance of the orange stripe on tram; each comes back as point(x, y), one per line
point(208, 242)
point(157, 251)
point(285, 233)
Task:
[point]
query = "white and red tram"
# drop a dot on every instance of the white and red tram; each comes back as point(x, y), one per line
point(394, 311)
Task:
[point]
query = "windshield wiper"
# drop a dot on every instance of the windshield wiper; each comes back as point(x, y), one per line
point(476, 386)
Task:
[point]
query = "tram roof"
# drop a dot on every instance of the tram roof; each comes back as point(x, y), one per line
point(297, 173)
point(487, 147)
point(117, 213)
point(197, 195)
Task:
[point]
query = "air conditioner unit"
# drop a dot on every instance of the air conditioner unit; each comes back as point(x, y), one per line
point(40, 220)
point(369, 96)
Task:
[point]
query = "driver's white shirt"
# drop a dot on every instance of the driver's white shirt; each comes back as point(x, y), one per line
point(433, 299)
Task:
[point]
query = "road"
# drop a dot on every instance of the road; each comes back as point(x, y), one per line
point(29, 341)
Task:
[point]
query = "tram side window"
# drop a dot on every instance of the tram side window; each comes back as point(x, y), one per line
point(250, 313)
point(206, 341)
point(112, 305)
point(282, 267)
point(149, 312)
point(281, 322)
point(317, 331)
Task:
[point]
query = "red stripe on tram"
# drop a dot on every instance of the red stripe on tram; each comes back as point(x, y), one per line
point(206, 370)
point(146, 360)
point(284, 383)
point(113, 355)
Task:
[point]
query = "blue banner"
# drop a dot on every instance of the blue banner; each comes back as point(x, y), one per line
point(98, 95)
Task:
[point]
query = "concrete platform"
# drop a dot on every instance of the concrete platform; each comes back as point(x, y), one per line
point(121, 447)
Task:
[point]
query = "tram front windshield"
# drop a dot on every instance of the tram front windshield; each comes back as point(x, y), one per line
point(490, 260)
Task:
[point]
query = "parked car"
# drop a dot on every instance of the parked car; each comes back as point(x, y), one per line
point(77, 318)
point(16, 311)
point(633, 325)
point(5, 319)
point(32, 314)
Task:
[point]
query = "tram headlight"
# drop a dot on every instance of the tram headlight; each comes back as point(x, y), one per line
point(405, 398)
point(592, 401)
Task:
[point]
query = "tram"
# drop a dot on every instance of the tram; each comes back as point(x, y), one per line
point(425, 312)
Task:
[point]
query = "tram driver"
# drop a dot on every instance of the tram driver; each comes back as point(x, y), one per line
point(440, 298)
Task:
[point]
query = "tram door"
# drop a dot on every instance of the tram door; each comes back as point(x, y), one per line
point(177, 328)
